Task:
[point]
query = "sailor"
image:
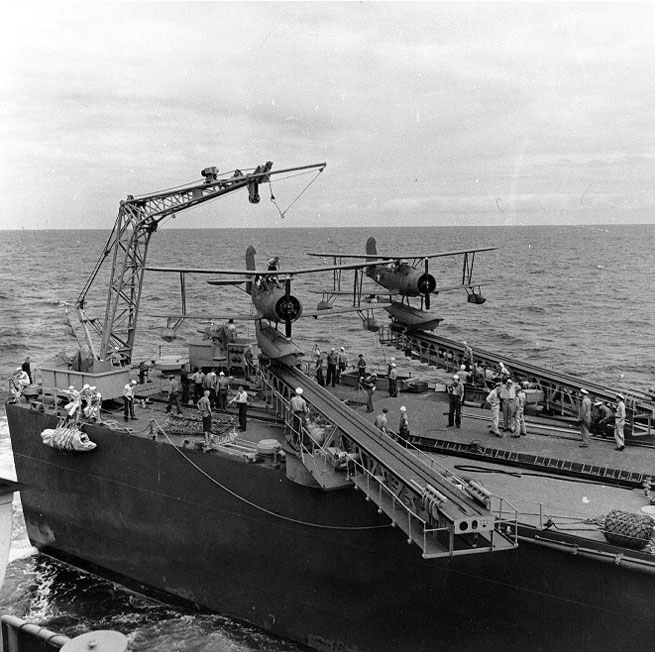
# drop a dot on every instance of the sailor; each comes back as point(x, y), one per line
point(603, 415)
point(298, 408)
point(210, 383)
point(230, 333)
point(332, 361)
point(198, 378)
point(382, 421)
point(143, 372)
point(493, 398)
point(455, 398)
point(463, 374)
point(85, 397)
point(241, 399)
point(519, 414)
point(619, 422)
point(320, 364)
point(393, 380)
point(18, 382)
point(273, 265)
point(75, 401)
point(205, 409)
point(585, 418)
point(403, 426)
point(361, 365)
point(222, 387)
point(27, 368)
point(507, 394)
point(249, 362)
point(184, 384)
point(391, 361)
point(342, 363)
point(116, 358)
point(368, 384)
point(467, 356)
point(128, 401)
point(93, 409)
point(173, 394)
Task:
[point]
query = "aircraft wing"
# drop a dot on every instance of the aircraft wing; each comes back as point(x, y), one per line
point(207, 316)
point(280, 273)
point(381, 259)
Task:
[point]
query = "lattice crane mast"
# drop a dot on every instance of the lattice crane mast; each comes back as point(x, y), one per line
point(127, 248)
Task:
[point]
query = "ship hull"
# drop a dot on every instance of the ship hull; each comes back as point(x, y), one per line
point(320, 568)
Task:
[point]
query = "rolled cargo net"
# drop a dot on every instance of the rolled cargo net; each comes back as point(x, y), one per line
point(628, 529)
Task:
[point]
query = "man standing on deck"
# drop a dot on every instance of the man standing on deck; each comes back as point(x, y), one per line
point(403, 426)
point(368, 384)
point(507, 394)
point(393, 380)
point(456, 398)
point(382, 422)
point(493, 398)
point(619, 422)
point(298, 407)
point(241, 399)
point(205, 409)
point(585, 418)
point(467, 356)
point(222, 387)
point(128, 401)
point(519, 414)
point(332, 361)
point(173, 395)
point(342, 364)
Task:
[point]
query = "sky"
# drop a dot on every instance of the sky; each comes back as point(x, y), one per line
point(432, 113)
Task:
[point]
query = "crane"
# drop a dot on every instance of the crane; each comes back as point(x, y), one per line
point(127, 248)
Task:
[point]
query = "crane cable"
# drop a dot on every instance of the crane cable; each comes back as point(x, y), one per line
point(300, 194)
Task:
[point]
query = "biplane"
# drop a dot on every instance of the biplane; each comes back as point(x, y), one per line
point(273, 302)
point(404, 276)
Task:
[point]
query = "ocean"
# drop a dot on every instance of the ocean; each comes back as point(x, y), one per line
point(576, 299)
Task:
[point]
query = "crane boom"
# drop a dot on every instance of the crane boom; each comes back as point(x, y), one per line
point(127, 247)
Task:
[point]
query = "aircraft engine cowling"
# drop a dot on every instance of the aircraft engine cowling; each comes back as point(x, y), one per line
point(288, 308)
point(426, 284)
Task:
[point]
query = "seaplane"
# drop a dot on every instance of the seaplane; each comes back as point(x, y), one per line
point(405, 276)
point(272, 300)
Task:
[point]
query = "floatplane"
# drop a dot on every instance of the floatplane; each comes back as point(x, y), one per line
point(401, 276)
point(272, 300)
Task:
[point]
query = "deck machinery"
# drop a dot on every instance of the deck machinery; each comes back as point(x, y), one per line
point(441, 513)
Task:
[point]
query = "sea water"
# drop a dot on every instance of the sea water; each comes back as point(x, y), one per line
point(575, 299)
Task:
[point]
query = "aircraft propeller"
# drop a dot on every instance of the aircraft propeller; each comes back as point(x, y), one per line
point(426, 285)
point(288, 308)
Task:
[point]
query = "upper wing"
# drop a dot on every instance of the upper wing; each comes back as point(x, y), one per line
point(261, 272)
point(394, 257)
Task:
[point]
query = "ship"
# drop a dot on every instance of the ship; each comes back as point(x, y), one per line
point(321, 528)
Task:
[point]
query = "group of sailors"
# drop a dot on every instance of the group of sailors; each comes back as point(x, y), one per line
point(329, 366)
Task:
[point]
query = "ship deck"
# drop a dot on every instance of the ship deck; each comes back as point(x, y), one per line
point(545, 474)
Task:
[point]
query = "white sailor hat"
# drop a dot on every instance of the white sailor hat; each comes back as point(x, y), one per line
point(298, 390)
point(620, 396)
point(456, 376)
point(584, 391)
point(403, 408)
point(393, 364)
point(343, 348)
point(133, 382)
point(221, 374)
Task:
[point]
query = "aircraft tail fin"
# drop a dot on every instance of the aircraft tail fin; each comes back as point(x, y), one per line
point(371, 250)
point(250, 264)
